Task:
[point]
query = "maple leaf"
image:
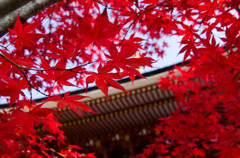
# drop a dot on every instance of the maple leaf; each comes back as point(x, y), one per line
point(122, 59)
point(27, 120)
point(67, 52)
point(90, 155)
point(74, 147)
point(148, 151)
point(9, 87)
point(73, 102)
point(102, 31)
point(23, 33)
point(188, 48)
point(20, 61)
point(104, 78)
point(61, 77)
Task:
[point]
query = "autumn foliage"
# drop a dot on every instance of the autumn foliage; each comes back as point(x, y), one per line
point(75, 43)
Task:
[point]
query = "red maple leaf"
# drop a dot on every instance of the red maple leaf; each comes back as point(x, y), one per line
point(104, 78)
point(25, 36)
point(19, 61)
point(10, 88)
point(124, 61)
point(27, 120)
point(101, 32)
point(60, 77)
point(73, 102)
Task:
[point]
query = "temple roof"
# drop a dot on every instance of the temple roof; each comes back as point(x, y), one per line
point(145, 103)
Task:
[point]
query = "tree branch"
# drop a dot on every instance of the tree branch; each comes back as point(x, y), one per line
point(7, 6)
point(139, 14)
point(105, 5)
point(27, 10)
point(25, 76)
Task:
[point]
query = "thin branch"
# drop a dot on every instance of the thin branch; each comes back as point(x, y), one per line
point(54, 151)
point(58, 69)
point(51, 69)
point(105, 5)
point(139, 14)
point(25, 76)
point(129, 28)
point(207, 13)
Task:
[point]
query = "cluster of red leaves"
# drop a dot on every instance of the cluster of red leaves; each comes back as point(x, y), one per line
point(60, 47)
point(75, 43)
point(207, 90)
point(206, 123)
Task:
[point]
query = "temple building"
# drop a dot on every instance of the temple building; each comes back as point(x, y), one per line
point(125, 123)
